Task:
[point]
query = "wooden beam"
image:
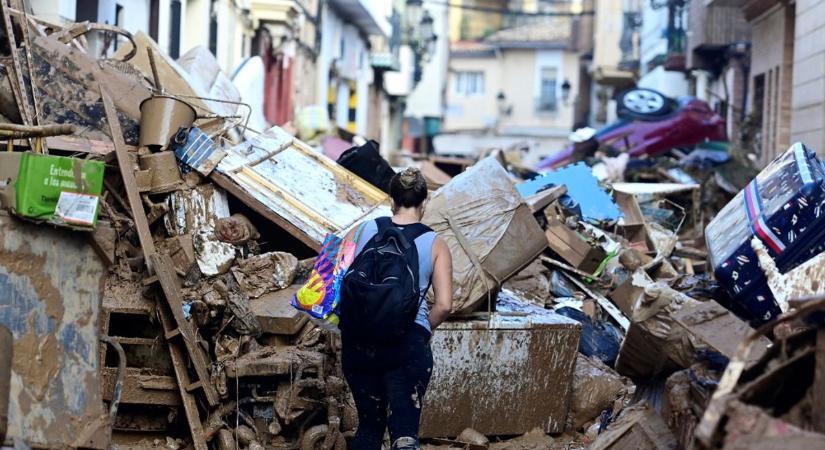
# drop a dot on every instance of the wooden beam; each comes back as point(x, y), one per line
point(540, 200)
point(606, 304)
point(128, 174)
point(84, 145)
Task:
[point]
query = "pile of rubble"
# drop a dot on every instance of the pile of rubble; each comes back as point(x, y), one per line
point(586, 312)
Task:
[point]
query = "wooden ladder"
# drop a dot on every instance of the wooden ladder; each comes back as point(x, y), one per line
point(178, 332)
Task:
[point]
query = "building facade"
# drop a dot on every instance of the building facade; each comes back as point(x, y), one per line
point(223, 26)
point(613, 62)
point(660, 43)
point(808, 85)
point(343, 68)
point(424, 109)
point(519, 84)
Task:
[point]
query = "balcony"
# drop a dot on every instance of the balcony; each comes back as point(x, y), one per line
point(713, 26)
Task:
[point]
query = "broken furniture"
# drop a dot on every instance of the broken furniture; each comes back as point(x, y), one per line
point(269, 172)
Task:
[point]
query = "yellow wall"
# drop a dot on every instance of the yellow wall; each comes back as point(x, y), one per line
point(607, 33)
point(472, 112)
point(515, 73)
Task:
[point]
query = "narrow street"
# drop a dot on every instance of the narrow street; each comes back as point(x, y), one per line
point(412, 224)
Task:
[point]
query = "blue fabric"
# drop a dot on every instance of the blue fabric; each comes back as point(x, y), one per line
point(583, 191)
point(424, 245)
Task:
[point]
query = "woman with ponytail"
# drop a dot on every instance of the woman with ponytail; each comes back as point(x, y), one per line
point(389, 378)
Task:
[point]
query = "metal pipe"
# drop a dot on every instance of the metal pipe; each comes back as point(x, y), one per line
point(6, 350)
point(121, 374)
point(14, 131)
point(155, 76)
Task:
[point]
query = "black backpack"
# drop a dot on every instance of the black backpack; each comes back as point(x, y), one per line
point(380, 293)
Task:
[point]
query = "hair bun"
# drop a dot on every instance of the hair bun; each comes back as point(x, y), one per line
point(410, 177)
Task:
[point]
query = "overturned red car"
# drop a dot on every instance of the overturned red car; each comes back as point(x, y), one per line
point(651, 124)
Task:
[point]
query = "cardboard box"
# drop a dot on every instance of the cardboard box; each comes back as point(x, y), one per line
point(485, 222)
point(59, 190)
point(632, 225)
point(276, 315)
point(629, 293)
point(573, 248)
point(504, 376)
point(9, 167)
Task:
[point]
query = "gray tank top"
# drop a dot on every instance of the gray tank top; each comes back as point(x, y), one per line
point(424, 245)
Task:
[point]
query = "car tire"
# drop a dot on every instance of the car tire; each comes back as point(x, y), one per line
point(643, 104)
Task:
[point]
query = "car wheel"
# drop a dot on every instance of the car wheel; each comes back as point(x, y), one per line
point(643, 103)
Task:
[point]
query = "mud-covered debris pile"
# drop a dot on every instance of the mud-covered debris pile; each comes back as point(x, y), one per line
point(593, 307)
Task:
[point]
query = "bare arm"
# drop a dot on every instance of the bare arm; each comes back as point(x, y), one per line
point(442, 283)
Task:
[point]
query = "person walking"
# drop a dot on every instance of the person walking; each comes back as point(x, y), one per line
point(386, 321)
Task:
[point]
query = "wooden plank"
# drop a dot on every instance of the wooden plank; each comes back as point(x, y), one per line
point(165, 271)
point(373, 193)
point(128, 174)
point(230, 186)
point(84, 145)
point(818, 413)
point(564, 266)
point(141, 389)
point(540, 200)
point(190, 406)
point(606, 304)
point(289, 198)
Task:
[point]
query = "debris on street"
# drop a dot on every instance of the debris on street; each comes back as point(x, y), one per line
point(151, 245)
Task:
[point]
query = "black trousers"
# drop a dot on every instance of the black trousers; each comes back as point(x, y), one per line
point(388, 382)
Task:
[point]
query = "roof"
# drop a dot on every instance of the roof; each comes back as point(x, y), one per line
point(553, 32)
point(471, 49)
point(550, 33)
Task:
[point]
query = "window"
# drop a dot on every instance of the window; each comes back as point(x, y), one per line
point(469, 83)
point(174, 28)
point(547, 90)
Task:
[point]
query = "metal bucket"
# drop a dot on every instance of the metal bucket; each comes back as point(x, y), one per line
point(161, 116)
point(163, 167)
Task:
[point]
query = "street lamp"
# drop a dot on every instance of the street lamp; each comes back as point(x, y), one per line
point(419, 34)
point(426, 35)
point(565, 91)
point(413, 12)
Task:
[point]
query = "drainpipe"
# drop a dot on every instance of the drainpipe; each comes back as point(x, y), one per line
point(6, 348)
point(741, 52)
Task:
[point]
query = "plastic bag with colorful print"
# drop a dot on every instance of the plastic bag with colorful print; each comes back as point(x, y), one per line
point(320, 295)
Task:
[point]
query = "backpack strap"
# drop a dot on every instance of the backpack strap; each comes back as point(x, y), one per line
point(385, 225)
point(415, 230)
point(410, 232)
